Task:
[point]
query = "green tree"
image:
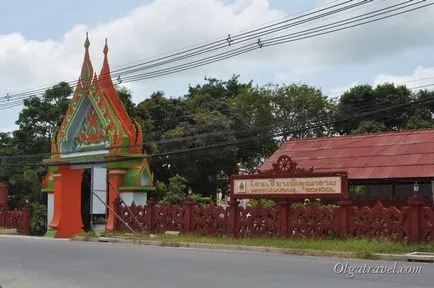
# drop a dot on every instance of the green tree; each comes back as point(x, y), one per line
point(252, 116)
point(37, 121)
point(350, 104)
point(419, 122)
point(173, 193)
point(24, 186)
point(126, 98)
point(369, 127)
point(203, 117)
point(6, 143)
point(299, 106)
point(422, 113)
point(364, 98)
point(159, 114)
point(427, 97)
point(200, 167)
point(387, 95)
point(7, 148)
point(40, 118)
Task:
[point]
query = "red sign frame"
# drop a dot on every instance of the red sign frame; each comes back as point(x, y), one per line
point(285, 168)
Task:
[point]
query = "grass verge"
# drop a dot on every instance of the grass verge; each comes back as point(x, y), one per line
point(360, 248)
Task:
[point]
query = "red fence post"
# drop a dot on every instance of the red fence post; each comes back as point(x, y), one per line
point(3, 195)
point(415, 204)
point(233, 218)
point(150, 208)
point(344, 217)
point(3, 210)
point(188, 215)
point(26, 219)
point(283, 215)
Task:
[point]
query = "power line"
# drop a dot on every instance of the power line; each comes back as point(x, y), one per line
point(187, 48)
point(309, 33)
point(202, 51)
point(408, 10)
point(234, 142)
point(358, 108)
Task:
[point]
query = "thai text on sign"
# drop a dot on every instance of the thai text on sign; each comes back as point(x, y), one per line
point(308, 185)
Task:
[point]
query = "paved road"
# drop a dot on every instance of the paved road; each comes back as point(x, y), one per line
point(29, 262)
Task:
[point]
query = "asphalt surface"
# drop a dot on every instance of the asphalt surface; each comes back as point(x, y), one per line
point(30, 262)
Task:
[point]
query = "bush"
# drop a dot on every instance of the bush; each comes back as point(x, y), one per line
point(262, 203)
point(38, 216)
point(307, 203)
point(174, 193)
point(199, 200)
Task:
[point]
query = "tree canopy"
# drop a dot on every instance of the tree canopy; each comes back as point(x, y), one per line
point(214, 128)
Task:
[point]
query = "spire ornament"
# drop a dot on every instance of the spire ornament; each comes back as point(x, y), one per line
point(105, 51)
point(87, 43)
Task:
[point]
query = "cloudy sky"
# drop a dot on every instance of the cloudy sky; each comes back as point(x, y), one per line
point(41, 43)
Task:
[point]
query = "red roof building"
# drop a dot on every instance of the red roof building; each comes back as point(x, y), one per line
point(390, 163)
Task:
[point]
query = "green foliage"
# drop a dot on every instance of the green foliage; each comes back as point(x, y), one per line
point(368, 126)
point(40, 118)
point(216, 112)
point(365, 98)
point(159, 114)
point(307, 203)
point(262, 203)
point(37, 215)
point(173, 193)
point(199, 200)
point(126, 98)
point(356, 191)
point(251, 116)
point(298, 105)
point(419, 122)
point(38, 121)
point(24, 186)
point(203, 111)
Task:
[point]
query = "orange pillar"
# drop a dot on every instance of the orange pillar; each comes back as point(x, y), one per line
point(116, 179)
point(67, 203)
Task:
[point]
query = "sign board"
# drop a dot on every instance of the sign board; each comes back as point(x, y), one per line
point(267, 186)
point(99, 187)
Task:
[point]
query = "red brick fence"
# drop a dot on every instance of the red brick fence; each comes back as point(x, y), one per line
point(412, 223)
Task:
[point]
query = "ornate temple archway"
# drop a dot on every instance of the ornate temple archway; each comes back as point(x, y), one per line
point(96, 130)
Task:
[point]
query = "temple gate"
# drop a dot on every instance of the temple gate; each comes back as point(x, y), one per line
point(96, 137)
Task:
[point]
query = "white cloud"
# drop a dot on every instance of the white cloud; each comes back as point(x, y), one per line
point(169, 25)
point(421, 78)
point(336, 92)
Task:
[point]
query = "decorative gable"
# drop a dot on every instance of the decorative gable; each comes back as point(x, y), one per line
point(96, 119)
point(92, 134)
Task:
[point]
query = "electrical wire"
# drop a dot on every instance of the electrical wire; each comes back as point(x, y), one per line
point(247, 50)
point(360, 108)
point(310, 33)
point(276, 41)
point(418, 8)
point(234, 142)
point(183, 50)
